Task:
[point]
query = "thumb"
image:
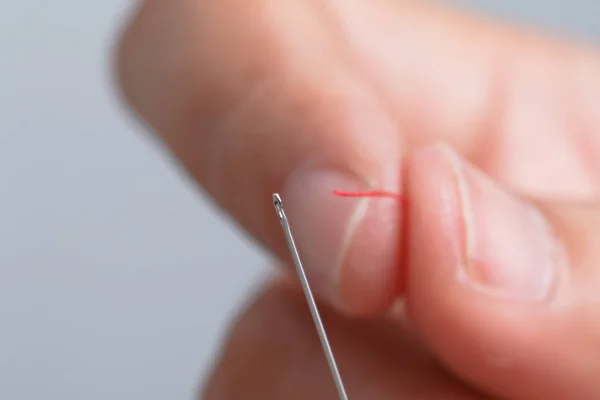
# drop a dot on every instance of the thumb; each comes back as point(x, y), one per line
point(504, 290)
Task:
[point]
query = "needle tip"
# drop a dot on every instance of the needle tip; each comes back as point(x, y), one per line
point(278, 206)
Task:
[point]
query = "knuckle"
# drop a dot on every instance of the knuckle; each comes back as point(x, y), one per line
point(149, 60)
point(129, 41)
point(185, 64)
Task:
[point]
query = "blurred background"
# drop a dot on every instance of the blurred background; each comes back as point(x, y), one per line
point(117, 276)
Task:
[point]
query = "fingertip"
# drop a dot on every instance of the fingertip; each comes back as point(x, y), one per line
point(434, 237)
point(446, 314)
point(370, 276)
point(435, 232)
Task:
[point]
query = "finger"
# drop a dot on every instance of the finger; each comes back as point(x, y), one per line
point(250, 110)
point(303, 97)
point(273, 353)
point(503, 289)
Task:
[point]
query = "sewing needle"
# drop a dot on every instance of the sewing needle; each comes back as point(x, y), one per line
point(278, 203)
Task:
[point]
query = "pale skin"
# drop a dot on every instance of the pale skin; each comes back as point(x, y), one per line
point(491, 133)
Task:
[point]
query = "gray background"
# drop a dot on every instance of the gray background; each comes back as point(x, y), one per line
point(116, 276)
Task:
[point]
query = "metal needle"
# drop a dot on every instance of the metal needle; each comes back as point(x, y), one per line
point(309, 296)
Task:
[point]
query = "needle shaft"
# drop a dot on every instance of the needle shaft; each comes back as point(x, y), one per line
point(309, 296)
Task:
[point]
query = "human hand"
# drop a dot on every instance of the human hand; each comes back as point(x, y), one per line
point(494, 249)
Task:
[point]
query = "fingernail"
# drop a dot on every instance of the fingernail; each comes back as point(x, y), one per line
point(509, 247)
point(325, 227)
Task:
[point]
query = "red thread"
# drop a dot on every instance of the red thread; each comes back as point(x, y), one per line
point(373, 193)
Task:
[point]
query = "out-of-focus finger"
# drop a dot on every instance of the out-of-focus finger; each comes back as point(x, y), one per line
point(273, 353)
